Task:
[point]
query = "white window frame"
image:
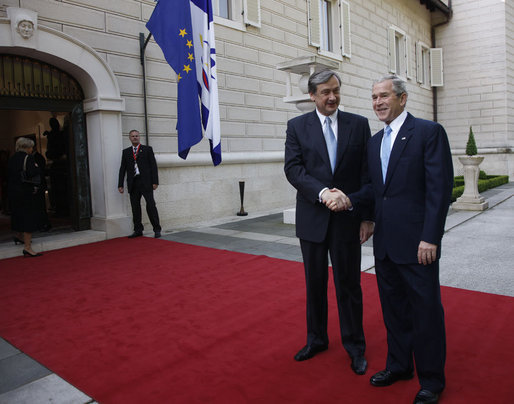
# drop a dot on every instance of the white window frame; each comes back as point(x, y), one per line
point(332, 37)
point(241, 13)
point(423, 64)
point(398, 50)
point(429, 66)
point(216, 7)
point(327, 21)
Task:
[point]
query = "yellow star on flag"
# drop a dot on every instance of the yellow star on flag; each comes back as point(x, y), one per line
point(187, 69)
point(189, 43)
point(178, 77)
point(182, 33)
point(190, 57)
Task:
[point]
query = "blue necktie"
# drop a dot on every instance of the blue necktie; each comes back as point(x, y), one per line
point(331, 141)
point(386, 150)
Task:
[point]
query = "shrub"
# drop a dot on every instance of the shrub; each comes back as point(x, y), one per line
point(491, 181)
point(457, 192)
point(471, 146)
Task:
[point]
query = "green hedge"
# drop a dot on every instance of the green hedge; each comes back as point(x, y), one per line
point(485, 182)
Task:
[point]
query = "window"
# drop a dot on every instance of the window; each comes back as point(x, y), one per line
point(237, 13)
point(429, 61)
point(429, 65)
point(329, 27)
point(398, 52)
point(326, 25)
point(422, 64)
point(222, 8)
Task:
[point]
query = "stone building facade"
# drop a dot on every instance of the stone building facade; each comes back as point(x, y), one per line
point(263, 48)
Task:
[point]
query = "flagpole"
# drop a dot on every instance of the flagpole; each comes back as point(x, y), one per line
point(142, 47)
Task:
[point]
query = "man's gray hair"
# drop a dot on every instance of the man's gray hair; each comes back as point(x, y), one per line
point(23, 143)
point(321, 77)
point(399, 86)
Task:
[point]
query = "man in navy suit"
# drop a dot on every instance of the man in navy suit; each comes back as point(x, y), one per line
point(411, 190)
point(138, 161)
point(321, 158)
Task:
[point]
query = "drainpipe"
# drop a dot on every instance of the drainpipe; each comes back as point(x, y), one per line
point(433, 41)
point(142, 47)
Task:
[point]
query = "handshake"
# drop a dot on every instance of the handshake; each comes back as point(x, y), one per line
point(336, 200)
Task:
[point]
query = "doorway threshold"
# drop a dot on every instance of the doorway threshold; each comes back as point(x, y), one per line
point(53, 242)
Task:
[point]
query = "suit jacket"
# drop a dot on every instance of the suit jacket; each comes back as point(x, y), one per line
point(146, 164)
point(413, 203)
point(307, 168)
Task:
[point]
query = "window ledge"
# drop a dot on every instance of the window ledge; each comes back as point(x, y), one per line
point(229, 23)
point(330, 55)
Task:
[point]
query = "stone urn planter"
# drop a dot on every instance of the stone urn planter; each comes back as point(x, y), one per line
point(471, 199)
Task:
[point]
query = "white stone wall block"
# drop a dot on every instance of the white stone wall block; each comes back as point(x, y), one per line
point(124, 26)
point(239, 52)
point(66, 14)
point(243, 114)
point(242, 83)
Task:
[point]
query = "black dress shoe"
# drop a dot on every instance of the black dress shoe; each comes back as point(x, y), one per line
point(28, 254)
point(308, 351)
point(17, 240)
point(426, 397)
point(386, 377)
point(136, 234)
point(157, 234)
point(359, 364)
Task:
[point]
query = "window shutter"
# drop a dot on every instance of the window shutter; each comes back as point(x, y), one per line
point(392, 50)
point(408, 57)
point(346, 44)
point(314, 23)
point(252, 12)
point(419, 63)
point(436, 67)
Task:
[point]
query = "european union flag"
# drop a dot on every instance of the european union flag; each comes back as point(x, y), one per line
point(170, 25)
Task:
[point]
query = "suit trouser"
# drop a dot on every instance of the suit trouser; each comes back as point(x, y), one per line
point(345, 258)
point(151, 209)
point(414, 318)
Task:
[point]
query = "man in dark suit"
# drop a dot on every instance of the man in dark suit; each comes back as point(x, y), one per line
point(411, 190)
point(321, 158)
point(138, 161)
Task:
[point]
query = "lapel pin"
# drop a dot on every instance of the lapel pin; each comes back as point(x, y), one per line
point(403, 138)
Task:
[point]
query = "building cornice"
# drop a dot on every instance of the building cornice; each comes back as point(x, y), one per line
point(438, 5)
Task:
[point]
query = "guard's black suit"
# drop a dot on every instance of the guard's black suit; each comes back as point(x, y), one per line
point(307, 168)
point(140, 185)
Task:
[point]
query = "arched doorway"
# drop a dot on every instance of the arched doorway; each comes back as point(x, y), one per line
point(40, 101)
point(102, 107)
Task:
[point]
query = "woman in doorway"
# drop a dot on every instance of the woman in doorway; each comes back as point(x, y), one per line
point(23, 196)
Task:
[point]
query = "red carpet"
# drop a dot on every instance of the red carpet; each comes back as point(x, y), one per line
point(153, 321)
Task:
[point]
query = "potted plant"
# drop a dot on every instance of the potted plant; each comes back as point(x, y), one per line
point(471, 199)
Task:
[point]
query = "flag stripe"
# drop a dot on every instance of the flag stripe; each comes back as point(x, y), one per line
point(205, 57)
